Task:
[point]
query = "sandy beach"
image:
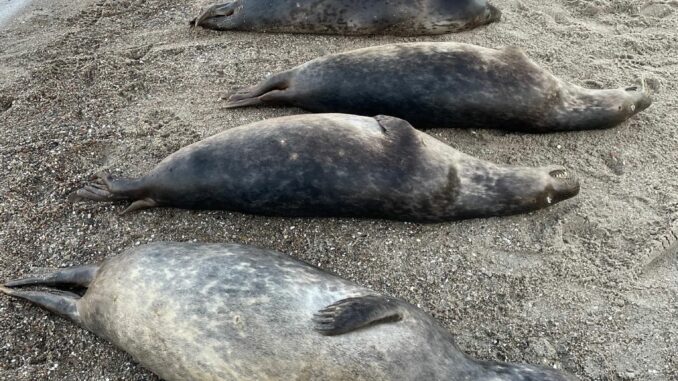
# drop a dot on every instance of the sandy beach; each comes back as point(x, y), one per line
point(589, 285)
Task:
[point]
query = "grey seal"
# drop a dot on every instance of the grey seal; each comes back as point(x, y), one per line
point(446, 84)
point(198, 312)
point(336, 165)
point(349, 17)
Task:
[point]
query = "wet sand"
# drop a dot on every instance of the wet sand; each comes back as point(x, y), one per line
point(9, 8)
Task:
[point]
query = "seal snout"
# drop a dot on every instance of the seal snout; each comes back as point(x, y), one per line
point(640, 99)
point(560, 174)
point(564, 184)
point(494, 14)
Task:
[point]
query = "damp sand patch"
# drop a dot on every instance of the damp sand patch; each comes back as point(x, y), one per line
point(9, 8)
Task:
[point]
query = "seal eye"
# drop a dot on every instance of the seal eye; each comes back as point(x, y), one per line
point(632, 88)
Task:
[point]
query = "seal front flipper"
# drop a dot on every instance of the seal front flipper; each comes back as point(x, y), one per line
point(353, 313)
point(271, 90)
point(394, 126)
point(60, 302)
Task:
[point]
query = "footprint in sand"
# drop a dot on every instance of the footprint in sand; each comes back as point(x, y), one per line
point(658, 10)
point(628, 61)
point(5, 103)
point(90, 15)
point(664, 256)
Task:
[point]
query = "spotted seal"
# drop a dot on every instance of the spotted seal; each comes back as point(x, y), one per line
point(336, 165)
point(446, 84)
point(349, 17)
point(198, 312)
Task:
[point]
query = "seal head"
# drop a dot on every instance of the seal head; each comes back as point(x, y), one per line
point(582, 108)
point(504, 191)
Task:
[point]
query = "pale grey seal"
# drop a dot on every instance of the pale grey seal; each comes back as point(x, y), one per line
point(199, 312)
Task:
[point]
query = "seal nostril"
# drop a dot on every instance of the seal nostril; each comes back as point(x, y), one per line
point(560, 174)
point(228, 13)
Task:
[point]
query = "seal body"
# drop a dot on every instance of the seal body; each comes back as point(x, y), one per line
point(446, 84)
point(198, 312)
point(349, 17)
point(337, 165)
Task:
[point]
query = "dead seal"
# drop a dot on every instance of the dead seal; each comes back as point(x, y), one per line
point(198, 312)
point(336, 165)
point(446, 84)
point(348, 17)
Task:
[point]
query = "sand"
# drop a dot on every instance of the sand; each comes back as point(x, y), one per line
point(590, 285)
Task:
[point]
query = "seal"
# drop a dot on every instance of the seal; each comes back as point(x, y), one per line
point(349, 17)
point(336, 165)
point(446, 84)
point(198, 312)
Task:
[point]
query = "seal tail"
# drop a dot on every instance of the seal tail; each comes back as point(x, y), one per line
point(63, 303)
point(104, 188)
point(268, 91)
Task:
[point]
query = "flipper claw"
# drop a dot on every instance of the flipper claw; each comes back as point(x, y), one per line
point(139, 205)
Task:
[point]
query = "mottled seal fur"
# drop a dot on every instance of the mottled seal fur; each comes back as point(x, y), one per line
point(198, 312)
point(336, 165)
point(349, 17)
point(446, 84)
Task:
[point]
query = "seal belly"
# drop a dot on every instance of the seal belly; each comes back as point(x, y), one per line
point(329, 166)
point(231, 313)
point(336, 165)
point(431, 85)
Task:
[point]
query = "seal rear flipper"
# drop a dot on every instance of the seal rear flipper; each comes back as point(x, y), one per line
point(78, 276)
point(104, 188)
point(216, 16)
point(60, 302)
point(270, 90)
point(353, 313)
point(139, 205)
